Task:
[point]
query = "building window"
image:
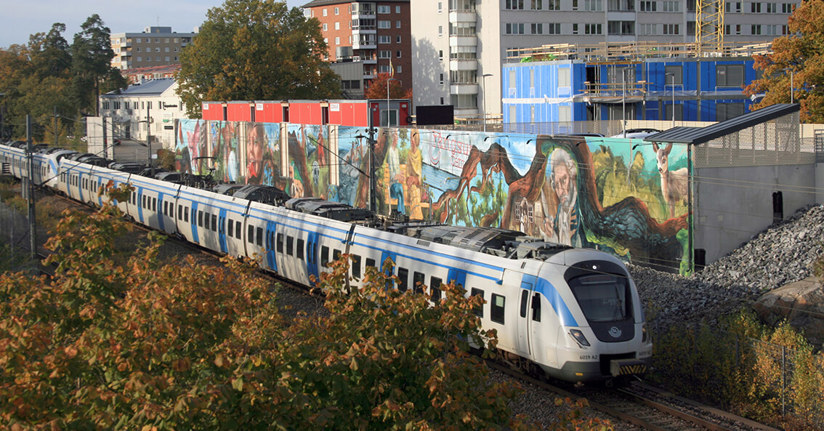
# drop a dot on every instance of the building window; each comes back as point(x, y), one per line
point(787, 7)
point(398, 54)
point(324, 27)
point(673, 75)
point(671, 6)
point(594, 5)
point(755, 7)
point(771, 8)
point(337, 40)
point(622, 28)
point(440, 7)
point(755, 29)
point(397, 9)
point(384, 54)
point(384, 9)
point(514, 28)
point(337, 11)
point(649, 6)
point(691, 28)
point(671, 28)
point(384, 39)
point(337, 26)
point(536, 4)
point(725, 111)
point(440, 55)
point(575, 28)
point(398, 39)
point(553, 28)
point(564, 77)
point(398, 69)
point(440, 30)
point(593, 29)
point(440, 80)
point(729, 75)
point(647, 29)
point(398, 24)
point(324, 12)
point(514, 4)
point(536, 28)
point(384, 24)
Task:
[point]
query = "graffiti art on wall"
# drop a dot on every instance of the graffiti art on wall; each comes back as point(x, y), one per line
point(263, 155)
point(627, 197)
point(190, 146)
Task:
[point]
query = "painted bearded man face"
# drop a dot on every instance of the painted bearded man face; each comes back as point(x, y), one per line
point(562, 182)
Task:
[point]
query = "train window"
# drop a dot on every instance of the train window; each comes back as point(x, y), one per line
point(435, 288)
point(260, 237)
point(498, 306)
point(154, 204)
point(403, 276)
point(356, 266)
point(290, 242)
point(370, 262)
point(250, 235)
point(231, 229)
point(237, 230)
point(200, 218)
point(479, 311)
point(524, 300)
point(186, 214)
point(143, 201)
point(310, 252)
point(299, 252)
point(336, 255)
point(280, 243)
point(324, 255)
point(180, 212)
point(536, 307)
point(214, 227)
point(417, 281)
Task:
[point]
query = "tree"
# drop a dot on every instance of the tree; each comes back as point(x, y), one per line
point(377, 88)
point(798, 56)
point(255, 50)
point(121, 339)
point(91, 64)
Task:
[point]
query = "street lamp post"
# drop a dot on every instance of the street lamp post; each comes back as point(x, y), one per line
point(672, 87)
point(483, 95)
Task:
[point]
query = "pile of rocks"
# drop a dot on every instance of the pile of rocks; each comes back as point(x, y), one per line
point(782, 254)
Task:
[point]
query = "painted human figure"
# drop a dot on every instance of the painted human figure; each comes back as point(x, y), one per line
point(414, 160)
point(395, 175)
point(561, 225)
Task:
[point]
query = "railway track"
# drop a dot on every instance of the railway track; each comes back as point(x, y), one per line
point(643, 406)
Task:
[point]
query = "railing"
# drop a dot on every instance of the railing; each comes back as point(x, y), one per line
point(632, 51)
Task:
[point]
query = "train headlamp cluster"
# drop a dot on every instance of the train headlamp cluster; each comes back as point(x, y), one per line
point(579, 337)
point(645, 337)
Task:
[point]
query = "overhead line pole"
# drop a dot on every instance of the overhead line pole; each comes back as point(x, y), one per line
point(30, 191)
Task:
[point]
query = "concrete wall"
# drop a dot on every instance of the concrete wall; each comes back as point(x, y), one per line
point(733, 204)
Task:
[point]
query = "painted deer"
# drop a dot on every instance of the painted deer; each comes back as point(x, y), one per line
point(673, 183)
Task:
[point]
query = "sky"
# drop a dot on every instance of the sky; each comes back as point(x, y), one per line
point(19, 19)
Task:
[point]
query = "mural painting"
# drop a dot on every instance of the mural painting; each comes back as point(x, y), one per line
point(191, 145)
point(353, 160)
point(263, 155)
point(626, 197)
point(308, 167)
point(224, 137)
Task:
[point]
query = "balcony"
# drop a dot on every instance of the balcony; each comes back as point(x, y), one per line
point(461, 64)
point(461, 88)
point(462, 16)
point(455, 41)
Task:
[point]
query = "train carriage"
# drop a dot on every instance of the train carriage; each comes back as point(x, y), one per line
point(573, 313)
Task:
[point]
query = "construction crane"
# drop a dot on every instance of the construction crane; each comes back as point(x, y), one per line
point(709, 27)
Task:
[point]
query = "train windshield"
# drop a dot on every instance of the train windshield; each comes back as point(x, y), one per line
point(602, 297)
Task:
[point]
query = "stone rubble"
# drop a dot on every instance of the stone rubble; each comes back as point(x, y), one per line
point(781, 254)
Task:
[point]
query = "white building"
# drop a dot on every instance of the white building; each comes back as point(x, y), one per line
point(456, 43)
point(154, 100)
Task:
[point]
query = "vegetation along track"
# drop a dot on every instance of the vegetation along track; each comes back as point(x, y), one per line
point(643, 406)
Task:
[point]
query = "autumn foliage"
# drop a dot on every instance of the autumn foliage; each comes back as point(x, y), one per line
point(798, 56)
point(120, 339)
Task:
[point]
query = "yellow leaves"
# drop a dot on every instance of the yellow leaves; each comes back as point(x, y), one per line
point(70, 351)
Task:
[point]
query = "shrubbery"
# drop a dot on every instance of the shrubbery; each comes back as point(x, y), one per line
point(121, 340)
point(770, 375)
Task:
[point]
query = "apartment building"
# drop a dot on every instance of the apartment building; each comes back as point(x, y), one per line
point(459, 46)
point(364, 39)
point(155, 46)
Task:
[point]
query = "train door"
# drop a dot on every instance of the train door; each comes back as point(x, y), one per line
point(525, 327)
point(271, 256)
point(221, 230)
point(312, 255)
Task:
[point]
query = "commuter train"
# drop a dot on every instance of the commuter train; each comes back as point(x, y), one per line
point(573, 313)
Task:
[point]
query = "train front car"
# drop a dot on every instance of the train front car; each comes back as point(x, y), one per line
point(601, 333)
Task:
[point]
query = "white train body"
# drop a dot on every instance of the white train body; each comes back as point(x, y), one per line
point(575, 313)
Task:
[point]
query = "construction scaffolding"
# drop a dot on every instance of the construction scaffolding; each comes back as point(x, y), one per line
point(709, 27)
point(629, 52)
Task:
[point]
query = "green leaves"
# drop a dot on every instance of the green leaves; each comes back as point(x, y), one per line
point(255, 50)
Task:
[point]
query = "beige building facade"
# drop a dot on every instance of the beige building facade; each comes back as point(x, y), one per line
point(155, 46)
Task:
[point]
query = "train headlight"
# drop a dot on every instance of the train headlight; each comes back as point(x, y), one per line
point(645, 336)
point(579, 338)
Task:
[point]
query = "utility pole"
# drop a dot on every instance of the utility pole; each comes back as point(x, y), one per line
point(29, 187)
point(148, 134)
point(54, 116)
point(105, 147)
point(372, 184)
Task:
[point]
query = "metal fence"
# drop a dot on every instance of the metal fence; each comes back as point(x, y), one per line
point(819, 146)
